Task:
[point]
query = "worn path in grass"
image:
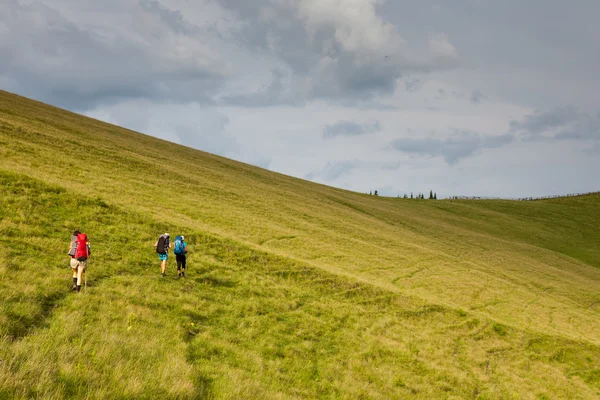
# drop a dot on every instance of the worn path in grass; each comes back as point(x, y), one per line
point(296, 290)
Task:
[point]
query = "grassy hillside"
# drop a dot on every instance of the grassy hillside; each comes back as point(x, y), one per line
point(295, 290)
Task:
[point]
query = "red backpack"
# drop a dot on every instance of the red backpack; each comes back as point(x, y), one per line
point(82, 253)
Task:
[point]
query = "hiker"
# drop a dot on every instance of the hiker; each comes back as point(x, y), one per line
point(162, 245)
point(73, 261)
point(180, 251)
point(79, 252)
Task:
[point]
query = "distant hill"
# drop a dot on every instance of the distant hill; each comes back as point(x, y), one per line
point(294, 289)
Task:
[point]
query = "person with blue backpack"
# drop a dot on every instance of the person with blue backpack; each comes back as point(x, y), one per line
point(180, 251)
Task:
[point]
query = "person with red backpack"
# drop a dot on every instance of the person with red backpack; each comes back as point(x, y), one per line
point(81, 252)
point(73, 261)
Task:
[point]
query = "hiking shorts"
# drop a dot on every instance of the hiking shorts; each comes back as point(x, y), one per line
point(163, 257)
point(75, 263)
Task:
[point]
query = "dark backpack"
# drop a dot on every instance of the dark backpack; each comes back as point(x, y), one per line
point(82, 252)
point(161, 245)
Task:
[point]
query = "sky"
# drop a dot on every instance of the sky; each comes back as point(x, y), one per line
point(462, 97)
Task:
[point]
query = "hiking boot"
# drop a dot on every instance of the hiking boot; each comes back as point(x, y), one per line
point(163, 274)
point(78, 288)
point(183, 274)
point(74, 287)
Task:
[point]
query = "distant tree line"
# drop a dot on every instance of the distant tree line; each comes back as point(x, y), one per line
point(418, 196)
point(433, 196)
point(521, 198)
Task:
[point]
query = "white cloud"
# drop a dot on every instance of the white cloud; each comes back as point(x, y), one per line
point(442, 50)
point(356, 28)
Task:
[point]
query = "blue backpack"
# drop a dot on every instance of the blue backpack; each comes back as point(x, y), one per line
point(179, 248)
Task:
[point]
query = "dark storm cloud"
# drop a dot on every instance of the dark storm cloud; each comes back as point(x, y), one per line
point(350, 128)
point(461, 145)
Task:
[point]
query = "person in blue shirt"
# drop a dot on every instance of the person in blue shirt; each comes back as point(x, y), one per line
point(180, 254)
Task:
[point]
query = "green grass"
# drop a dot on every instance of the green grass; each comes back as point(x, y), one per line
point(294, 290)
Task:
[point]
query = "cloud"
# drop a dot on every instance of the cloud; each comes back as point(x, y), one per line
point(476, 96)
point(254, 157)
point(391, 166)
point(413, 84)
point(173, 19)
point(192, 125)
point(565, 123)
point(206, 132)
point(352, 25)
point(530, 63)
point(334, 170)
point(341, 49)
point(349, 128)
point(535, 124)
point(443, 52)
point(594, 150)
point(277, 92)
point(462, 145)
point(160, 49)
point(79, 65)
